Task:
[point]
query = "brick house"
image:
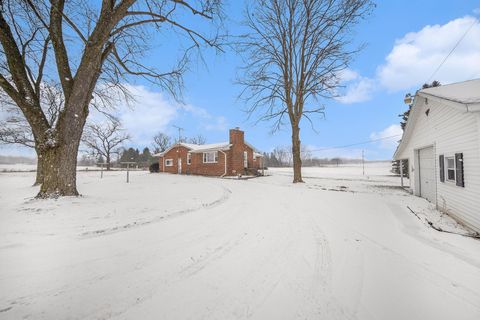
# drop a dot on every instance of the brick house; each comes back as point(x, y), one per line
point(217, 159)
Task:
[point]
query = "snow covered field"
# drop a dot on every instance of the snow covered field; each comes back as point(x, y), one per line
point(340, 246)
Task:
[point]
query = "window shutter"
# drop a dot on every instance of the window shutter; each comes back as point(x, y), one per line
point(459, 169)
point(441, 165)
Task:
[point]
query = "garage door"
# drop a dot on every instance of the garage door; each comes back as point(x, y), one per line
point(427, 173)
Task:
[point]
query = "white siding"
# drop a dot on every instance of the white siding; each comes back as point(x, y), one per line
point(449, 131)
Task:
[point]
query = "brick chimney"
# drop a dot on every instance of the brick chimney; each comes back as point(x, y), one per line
point(236, 136)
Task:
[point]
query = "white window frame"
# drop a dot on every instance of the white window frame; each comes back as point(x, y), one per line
point(206, 156)
point(189, 158)
point(447, 179)
point(168, 162)
point(245, 159)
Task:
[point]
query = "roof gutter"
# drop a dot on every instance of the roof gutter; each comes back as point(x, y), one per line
point(225, 172)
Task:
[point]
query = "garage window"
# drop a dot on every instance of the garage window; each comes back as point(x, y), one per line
point(450, 166)
point(168, 162)
point(451, 169)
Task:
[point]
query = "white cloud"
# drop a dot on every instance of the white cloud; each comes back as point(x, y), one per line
point(149, 113)
point(389, 136)
point(207, 120)
point(347, 75)
point(418, 54)
point(358, 91)
point(219, 124)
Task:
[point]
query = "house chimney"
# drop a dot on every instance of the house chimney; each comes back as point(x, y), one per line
point(236, 136)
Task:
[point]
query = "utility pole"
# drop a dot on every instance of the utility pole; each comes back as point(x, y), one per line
point(179, 133)
point(363, 161)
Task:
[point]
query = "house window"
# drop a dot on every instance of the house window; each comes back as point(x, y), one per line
point(168, 162)
point(210, 157)
point(450, 166)
point(245, 159)
point(189, 158)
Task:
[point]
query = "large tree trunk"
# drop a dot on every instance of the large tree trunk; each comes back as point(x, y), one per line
point(297, 161)
point(39, 177)
point(60, 157)
point(59, 171)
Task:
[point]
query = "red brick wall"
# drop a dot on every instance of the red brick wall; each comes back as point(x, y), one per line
point(207, 169)
point(178, 152)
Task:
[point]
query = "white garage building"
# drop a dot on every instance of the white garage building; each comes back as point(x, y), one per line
point(442, 144)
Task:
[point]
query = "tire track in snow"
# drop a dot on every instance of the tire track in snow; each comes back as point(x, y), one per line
point(107, 231)
point(211, 256)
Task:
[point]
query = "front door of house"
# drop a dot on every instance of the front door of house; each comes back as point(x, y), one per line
point(179, 165)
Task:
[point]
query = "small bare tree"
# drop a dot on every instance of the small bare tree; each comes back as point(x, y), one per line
point(294, 54)
point(104, 140)
point(283, 155)
point(198, 139)
point(161, 142)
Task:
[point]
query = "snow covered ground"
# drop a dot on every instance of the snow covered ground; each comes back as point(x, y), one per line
point(341, 246)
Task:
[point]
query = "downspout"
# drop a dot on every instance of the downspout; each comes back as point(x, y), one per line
point(225, 173)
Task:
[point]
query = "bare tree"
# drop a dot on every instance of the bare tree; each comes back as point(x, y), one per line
point(283, 155)
point(89, 48)
point(161, 142)
point(198, 139)
point(104, 140)
point(294, 54)
point(305, 153)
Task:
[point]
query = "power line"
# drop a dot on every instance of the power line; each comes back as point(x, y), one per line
point(356, 144)
point(453, 49)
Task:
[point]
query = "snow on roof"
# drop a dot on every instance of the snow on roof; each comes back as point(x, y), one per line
point(207, 147)
point(466, 92)
point(198, 147)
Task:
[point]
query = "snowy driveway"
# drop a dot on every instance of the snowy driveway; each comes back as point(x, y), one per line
point(177, 247)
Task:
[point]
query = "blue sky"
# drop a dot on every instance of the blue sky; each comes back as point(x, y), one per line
point(406, 41)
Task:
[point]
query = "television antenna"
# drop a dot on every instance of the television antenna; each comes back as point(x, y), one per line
point(180, 129)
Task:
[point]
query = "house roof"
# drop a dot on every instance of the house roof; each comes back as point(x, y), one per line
point(197, 147)
point(463, 96)
point(208, 147)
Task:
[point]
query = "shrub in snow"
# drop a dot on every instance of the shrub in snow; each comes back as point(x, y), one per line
point(154, 167)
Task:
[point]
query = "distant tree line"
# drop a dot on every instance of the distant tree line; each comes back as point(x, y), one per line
point(282, 157)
